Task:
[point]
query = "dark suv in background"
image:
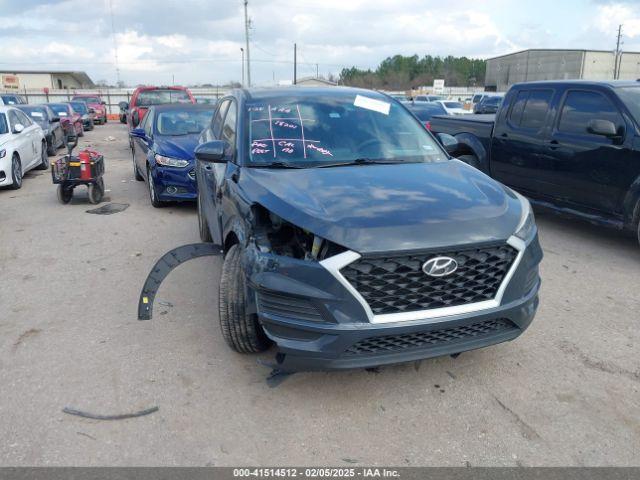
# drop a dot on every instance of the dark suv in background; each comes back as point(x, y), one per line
point(351, 238)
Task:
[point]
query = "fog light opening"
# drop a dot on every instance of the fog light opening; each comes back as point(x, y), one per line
point(172, 190)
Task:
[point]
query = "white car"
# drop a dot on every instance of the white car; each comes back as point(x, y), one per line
point(22, 147)
point(453, 107)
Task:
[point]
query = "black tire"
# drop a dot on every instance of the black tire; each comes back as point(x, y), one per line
point(64, 194)
point(471, 160)
point(44, 158)
point(203, 225)
point(136, 173)
point(51, 148)
point(240, 330)
point(123, 119)
point(153, 194)
point(16, 172)
point(105, 119)
point(81, 134)
point(96, 191)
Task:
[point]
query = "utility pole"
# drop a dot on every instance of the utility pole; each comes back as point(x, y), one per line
point(616, 67)
point(317, 75)
point(295, 63)
point(246, 38)
point(242, 50)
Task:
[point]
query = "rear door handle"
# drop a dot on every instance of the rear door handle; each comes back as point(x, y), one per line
point(504, 135)
point(554, 145)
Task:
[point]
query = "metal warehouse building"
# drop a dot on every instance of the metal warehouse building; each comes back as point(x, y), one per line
point(32, 79)
point(549, 64)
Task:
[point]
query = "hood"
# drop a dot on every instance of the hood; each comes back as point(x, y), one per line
point(379, 208)
point(179, 146)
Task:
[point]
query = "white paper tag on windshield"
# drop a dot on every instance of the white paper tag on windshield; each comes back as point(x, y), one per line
point(36, 114)
point(372, 104)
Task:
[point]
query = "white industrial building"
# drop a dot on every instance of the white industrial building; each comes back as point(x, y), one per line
point(551, 64)
point(36, 80)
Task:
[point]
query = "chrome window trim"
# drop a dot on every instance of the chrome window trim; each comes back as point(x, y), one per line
point(335, 263)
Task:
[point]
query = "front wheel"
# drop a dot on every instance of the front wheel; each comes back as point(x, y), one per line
point(240, 329)
point(81, 132)
point(64, 194)
point(153, 194)
point(16, 172)
point(96, 191)
point(51, 148)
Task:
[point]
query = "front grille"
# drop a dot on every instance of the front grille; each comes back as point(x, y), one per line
point(287, 306)
point(394, 343)
point(398, 284)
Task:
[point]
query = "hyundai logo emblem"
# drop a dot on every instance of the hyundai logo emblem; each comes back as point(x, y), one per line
point(440, 266)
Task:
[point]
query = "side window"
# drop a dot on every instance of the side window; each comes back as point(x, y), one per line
point(216, 122)
point(229, 126)
point(26, 121)
point(515, 115)
point(536, 108)
point(582, 106)
point(13, 119)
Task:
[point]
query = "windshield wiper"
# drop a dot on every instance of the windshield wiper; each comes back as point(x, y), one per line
point(277, 165)
point(361, 161)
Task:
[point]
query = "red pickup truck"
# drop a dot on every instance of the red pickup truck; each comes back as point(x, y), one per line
point(145, 97)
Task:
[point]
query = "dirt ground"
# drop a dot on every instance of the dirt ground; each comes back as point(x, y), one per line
point(564, 393)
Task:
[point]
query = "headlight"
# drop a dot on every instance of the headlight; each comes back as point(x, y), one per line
point(3, 153)
point(527, 223)
point(170, 162)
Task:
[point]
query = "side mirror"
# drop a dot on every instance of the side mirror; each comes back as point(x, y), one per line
point(211, 151)
point(103, 102)
point(55, 119)
point(123, 105)
point(449, 142)
point(18, 127)
point(138, 133)
point(606, 128)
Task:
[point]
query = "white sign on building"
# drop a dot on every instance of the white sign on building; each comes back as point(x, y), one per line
point(438, 85)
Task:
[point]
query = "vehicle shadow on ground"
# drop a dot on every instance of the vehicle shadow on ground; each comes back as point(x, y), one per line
point(580, 232)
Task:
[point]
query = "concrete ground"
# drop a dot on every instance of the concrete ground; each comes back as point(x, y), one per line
point(564, 393)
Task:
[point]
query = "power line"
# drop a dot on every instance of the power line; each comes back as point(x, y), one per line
point(115, 43)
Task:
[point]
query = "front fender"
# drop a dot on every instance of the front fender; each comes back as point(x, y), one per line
point(471, 144)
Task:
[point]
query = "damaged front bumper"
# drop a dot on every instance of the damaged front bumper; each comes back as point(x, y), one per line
point(319, 323)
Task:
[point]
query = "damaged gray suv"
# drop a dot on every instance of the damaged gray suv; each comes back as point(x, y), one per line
point(351, 238)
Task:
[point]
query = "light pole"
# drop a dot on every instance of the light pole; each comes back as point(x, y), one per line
point(242, 50)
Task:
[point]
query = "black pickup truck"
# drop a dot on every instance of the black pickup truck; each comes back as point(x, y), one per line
point(572, 146)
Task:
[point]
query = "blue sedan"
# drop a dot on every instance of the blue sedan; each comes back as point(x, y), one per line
point(163, 146)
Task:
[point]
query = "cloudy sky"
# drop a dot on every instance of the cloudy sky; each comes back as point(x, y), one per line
point(198, 41)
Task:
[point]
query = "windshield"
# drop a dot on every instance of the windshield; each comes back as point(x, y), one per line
point(180, 122)
point(60, 110)
point(631, 98)
point(453, 105)
point(3, 124)
point(476, 98)
point(425, 112)
point(332, 129)
point(38, 114)
point(80, 107)
point(147, 98)
point(89, 99)
point(9, 100)
point(492, 101)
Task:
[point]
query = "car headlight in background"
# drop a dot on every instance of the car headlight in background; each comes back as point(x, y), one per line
point(527, 223)
point(170, 162)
